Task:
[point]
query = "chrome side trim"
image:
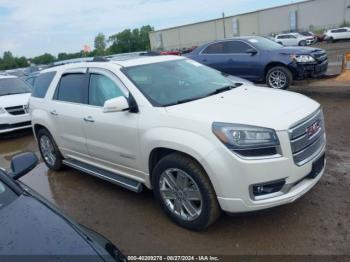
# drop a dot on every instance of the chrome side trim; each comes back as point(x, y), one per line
point(105, 175)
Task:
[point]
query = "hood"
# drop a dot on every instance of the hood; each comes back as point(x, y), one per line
point(27, 227)
point(14, 100)
point(250, 105)
point(297, 50)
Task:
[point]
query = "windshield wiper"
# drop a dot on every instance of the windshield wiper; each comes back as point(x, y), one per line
point(182, 101)
point(223, 89)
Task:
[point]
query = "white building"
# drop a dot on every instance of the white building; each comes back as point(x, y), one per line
point(306, 15)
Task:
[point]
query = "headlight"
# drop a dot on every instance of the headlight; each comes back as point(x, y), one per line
point(248, 141)
point(302, 58)
point(2, 111)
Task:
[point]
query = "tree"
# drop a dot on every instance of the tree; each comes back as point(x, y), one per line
point(100, 44)
point(8, 60)
point(21, 62)
point(130, 40)
point(43, 59)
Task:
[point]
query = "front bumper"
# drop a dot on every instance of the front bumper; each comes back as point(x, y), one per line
point(9, 123)
point(233, 177)
point(309, 70)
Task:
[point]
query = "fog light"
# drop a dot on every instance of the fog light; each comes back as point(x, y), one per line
point(268, 187)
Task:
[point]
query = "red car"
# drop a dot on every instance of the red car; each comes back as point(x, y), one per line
point(172, 52)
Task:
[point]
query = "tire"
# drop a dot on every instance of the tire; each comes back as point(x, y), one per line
point(279, 77)
point(204, 200)
point(47, 147)
point(330, 40)
point(302, 43)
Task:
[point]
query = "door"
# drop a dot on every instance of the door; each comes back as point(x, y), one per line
point(212, 56)
point(343, 33)
point(242, 60)
point(66, 112)
point(293, 40)
point(111, 138)
point(235, 58)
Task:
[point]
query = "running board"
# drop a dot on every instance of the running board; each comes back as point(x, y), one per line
point(105, 175)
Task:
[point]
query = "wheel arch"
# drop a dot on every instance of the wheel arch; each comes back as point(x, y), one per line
point(274, 64)
point(164, 142)
point(160, 152)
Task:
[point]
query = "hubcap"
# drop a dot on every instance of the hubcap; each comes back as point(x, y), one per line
point(277, 79)
point(181, 194)
point(47, 150)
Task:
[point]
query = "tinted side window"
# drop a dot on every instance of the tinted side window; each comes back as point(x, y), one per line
point(73, 88)
point(30, 81)
point(42, 83)
point(235, 47)
point(101, 89)
point(217, 48)
point(6, 194)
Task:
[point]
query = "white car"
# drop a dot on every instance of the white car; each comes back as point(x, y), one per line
point(294, 39)
point(14, 98)
point(202, 142)
point(337, 34)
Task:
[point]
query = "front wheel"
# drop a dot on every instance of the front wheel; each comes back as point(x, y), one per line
point(49, 150)
point(279, 77)
point(184, 192)
point(302, 43)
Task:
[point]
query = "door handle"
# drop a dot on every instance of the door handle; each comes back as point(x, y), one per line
point(204, 60)
point(89, 119)
point(54, 113)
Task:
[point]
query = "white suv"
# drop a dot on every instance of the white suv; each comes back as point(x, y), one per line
point(14, 97)
point(294, 39)
point(202, 142)
point(337, 34)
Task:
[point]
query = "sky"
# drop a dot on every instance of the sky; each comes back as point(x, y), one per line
point(33, 27)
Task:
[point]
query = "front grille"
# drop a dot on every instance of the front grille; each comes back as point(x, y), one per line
point(16, 110)
point(307, 138)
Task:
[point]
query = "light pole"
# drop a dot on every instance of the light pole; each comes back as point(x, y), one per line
point(223, 23)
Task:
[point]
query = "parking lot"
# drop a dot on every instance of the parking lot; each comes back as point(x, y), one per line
point(318, 223)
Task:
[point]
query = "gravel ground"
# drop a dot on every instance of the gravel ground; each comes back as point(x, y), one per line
point(318, 223)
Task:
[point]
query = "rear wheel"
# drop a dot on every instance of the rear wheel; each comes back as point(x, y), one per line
point(184, 192)
point(330, 40)
point(279, 77)
point(49, 150)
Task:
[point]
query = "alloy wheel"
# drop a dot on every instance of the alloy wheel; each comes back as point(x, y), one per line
point(47, 150)
point(180, 194)
point(277, 79)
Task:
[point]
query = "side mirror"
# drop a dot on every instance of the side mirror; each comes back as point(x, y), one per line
point(21, 164)
point(117, 104)
point(251, 51)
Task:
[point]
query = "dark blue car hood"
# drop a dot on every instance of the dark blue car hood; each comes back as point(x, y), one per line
point(297, 50)
point(28, 227)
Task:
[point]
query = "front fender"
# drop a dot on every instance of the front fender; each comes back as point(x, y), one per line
point(195, 145)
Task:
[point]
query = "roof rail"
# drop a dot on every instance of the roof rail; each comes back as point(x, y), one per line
point(100, 59)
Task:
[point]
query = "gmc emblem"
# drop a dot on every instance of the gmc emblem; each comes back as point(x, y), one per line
point(313, 129)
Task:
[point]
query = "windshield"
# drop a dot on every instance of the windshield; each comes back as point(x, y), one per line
point(264, 43)
point(11, 86)
point(176, 81)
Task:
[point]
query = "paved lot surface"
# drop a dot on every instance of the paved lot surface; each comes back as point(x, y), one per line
point(318, 223)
